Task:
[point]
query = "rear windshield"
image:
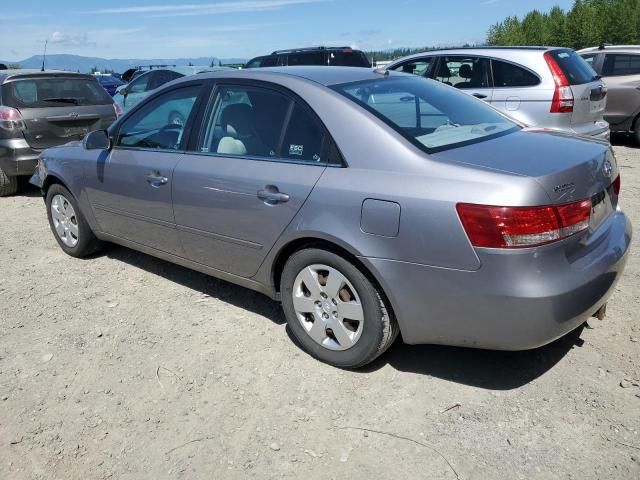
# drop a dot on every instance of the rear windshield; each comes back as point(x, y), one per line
point(348, 58)
point(431, 115)
point(53, 92)
point(575, 68)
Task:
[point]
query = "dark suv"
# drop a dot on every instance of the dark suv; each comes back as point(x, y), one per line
point(619, 66)
point(330, 56)
point(39, 110)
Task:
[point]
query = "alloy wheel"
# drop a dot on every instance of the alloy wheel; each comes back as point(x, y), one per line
point(328, 307)
point(65, 221)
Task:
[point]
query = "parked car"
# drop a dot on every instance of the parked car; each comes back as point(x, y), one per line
point(39, 110)
point(619, 66)
point(109, 83)
point(329, 56)
point(369, 204)
point(142, 85)
point(537, 86)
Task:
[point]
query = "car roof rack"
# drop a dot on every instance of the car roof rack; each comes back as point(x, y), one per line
point(604, 46)
point(308, 49)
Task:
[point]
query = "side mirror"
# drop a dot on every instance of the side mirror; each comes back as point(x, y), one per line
point(122, 90)
point(97, 140)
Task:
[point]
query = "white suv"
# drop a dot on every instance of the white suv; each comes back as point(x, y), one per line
point(537, 86)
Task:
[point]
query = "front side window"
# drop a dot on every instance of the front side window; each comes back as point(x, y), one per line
point(161, 77)
point(510, 75)
point(139, 85)
point(463, 72)
point(155, 124)
point(416, 67)
point(590, 59)
point(616, 64)
point(247, 121)
point(431, 116)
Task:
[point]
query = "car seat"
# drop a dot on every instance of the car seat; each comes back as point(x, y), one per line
point(237, 121)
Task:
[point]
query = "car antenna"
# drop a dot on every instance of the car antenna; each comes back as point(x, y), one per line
point(44, 57)
point(381, 71)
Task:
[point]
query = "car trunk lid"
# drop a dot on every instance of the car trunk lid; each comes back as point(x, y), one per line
point(58, 107)
point(568, 168)
point(49, 127)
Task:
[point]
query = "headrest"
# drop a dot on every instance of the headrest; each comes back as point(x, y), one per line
point(237, 120)
point(466, 71)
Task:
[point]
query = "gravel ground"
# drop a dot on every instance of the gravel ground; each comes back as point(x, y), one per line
point(124, 366)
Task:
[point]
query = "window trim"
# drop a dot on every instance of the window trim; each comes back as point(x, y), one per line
point(114, 131)
point(493, 80)
point(197, 134)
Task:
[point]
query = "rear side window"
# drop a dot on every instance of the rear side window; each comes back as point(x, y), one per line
point(348, 58)
point(251, 121)
point(510, 75)
point(306, 58)
point(621, 64)
point(54, 92)
point(575, 68)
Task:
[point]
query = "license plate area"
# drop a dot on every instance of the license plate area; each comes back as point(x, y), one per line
point(600, 209)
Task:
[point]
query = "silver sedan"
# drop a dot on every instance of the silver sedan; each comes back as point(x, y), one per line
point(371, 204)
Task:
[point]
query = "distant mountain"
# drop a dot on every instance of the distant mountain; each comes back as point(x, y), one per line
point(85, 64)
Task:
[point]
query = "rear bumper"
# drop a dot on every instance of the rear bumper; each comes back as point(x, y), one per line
point(517, 300)
point(17, 157)
point(599, 130)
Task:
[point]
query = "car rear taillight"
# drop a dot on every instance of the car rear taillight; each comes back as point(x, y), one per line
point(117, 109)
point(563, 95)
point(616, 185)
point(11, 119)
point(518, 227)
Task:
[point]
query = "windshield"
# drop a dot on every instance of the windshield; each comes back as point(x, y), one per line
point(575, 68)
point(54, 92)
point(431, 115)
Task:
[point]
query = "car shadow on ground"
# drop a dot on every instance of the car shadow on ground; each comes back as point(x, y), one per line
point(623, 140)
point(25, 189)
point(235, 295)
point(487, 369)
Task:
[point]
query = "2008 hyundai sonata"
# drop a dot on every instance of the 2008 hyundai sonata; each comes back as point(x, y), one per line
point(370, 204)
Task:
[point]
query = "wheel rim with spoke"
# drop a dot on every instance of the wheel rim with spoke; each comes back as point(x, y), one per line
point(65, 221)
point(328, 307)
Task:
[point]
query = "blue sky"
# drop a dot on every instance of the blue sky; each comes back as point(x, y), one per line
point(243, 28)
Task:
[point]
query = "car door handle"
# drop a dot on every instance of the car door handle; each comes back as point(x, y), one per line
point(156, 180)
point(481, 96)
point(271, 195)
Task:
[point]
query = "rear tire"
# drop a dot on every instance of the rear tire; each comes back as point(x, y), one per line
point(341, 318)
point(8, 185)
point(68, 224)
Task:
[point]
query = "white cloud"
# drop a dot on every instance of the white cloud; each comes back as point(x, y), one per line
point(205, 8)
point(70, 39)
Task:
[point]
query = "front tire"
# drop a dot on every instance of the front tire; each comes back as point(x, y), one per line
point(8, 185)
point(334, 310)
point(68, 224)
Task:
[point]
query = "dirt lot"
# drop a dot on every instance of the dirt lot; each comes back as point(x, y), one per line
point(124, 366)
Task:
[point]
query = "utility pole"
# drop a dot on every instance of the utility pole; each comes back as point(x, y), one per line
point(44, 57)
